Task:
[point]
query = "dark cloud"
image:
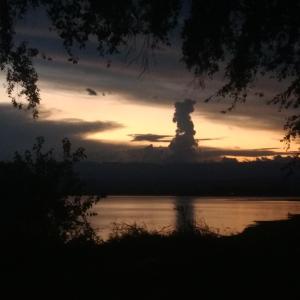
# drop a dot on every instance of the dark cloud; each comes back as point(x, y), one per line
point(161, 138)
point(149, 137)
point(18, 130)
point(91, 92)
point(211, 139)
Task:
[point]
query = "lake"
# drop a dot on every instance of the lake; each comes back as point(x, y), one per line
point(225, 215)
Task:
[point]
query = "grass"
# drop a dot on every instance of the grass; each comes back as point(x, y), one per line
point(193, 263)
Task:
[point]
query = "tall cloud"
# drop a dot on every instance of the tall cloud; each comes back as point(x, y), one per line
point(184, 145)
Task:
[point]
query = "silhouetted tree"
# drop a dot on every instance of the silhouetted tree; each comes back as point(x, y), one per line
point(246, 39)
point(42, 198)
point(113, 23)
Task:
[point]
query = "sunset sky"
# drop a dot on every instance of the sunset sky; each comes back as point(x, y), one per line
point(127, 103)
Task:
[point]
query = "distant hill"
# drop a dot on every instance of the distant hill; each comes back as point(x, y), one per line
point(259, 178)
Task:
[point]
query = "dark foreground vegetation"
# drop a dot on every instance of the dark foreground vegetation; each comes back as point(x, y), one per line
point(260, 263)
point(49, 250)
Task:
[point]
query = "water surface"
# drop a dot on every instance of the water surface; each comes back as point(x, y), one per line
point(225, 215)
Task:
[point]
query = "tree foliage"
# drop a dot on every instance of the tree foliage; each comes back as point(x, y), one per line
point(112, 23)
point(249, 40)
point(43, 197)
point(246, 39)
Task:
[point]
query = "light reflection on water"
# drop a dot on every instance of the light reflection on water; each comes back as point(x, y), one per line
point(226, 215)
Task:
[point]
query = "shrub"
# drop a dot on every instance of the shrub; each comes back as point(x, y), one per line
point(43, 197)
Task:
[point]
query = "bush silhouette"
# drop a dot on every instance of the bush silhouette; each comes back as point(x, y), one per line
point(43, 197)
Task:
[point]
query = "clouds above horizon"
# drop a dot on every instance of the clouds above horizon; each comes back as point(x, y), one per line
point(18, 129)
point(18, 132)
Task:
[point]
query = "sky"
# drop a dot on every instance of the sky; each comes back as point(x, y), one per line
point(116, 111)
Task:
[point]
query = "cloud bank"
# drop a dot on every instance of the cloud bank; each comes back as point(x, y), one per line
point(18, 132)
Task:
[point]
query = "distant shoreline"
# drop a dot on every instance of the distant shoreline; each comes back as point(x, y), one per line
point(250, 197)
